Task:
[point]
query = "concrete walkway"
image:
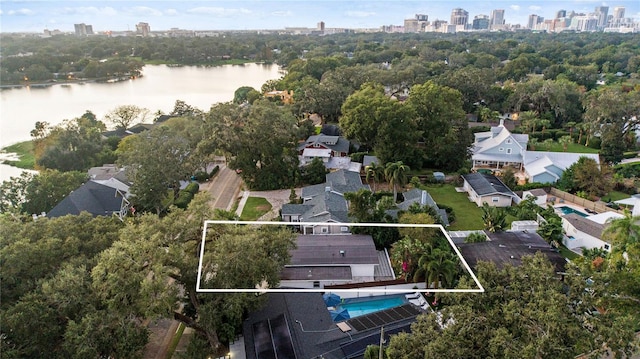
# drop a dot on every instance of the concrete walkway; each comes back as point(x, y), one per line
point(242, 203)
point(277, 198)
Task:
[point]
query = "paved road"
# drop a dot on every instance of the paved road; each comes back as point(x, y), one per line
point(224, 188)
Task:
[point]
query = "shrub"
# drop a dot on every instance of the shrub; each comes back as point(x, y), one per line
point(183, 199)
point(192, 188)
point(358, 156)
point(214, 171)
point(630, 154)
point(595, 142)
point(450, 213)
point(559, 134)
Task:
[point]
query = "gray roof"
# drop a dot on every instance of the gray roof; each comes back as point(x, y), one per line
point(344, 181)
point(92, 197)
point(368, 160)
point(508, 248)
point(327, 250)
point(327, 206)
point(335, 143)
point(313, 333)
point(538, 192)
point(316, 273)
point(423, 198)
point(584, 225)
point(484, 184)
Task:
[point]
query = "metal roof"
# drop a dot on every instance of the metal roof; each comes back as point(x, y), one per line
point(485, 184)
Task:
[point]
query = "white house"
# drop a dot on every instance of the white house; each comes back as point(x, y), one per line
point(486, 188)
point(583, 233)
point(547, 167)
point(538, 193)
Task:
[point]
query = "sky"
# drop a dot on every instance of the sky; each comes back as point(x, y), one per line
point(121, 15)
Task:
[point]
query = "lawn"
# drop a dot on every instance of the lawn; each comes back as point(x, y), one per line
point(571, 147)
point(615, 196)
point(468, 215)
point(255, 208)
point(24, 150)
point(565, 252)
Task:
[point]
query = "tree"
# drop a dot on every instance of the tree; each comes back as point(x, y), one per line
point(314, 172)
point(155, 162)
point(443, 126)
point(612, 147)
point(437, 267)
point(242, 94)
point(37, 193)
point(380, 123)
point(509, 178)
point(565, 141)
point(375, 172)
point(132, 276)
point(396, 174)
point(259, 142)
point(588, 176)
point(472, 326)
point(126, 115)
point(551, 230)
point(494, 218)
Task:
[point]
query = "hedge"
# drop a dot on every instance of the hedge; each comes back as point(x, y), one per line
point(192, 188)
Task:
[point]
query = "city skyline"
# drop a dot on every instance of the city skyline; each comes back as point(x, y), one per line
point(35, 16)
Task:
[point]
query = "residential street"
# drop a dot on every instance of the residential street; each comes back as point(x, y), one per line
point(224, 188)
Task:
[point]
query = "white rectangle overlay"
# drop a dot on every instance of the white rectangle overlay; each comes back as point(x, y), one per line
point(210, 223)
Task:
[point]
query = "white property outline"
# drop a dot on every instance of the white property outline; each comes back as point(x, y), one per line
point(324, 290)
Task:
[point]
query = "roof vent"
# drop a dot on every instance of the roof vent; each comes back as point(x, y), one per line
point(327, 189)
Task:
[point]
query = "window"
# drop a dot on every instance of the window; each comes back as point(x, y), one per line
point(508, 151)
point(344, 229)
point(501, 149)
point(508, 141)
point(324, 229)
point(606, 247)
point(495, 199)
point(316, 284)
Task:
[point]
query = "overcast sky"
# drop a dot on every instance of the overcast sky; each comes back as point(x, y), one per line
point(118, 15)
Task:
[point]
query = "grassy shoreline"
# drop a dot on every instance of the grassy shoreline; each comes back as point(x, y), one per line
point(24, 151)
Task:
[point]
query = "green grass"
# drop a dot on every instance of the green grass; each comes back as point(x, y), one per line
point(255, 208)
point(571, 147)
point(565, 252)
point(25, 151)
point(175, 341)
point(468, 215)
point(615, 196)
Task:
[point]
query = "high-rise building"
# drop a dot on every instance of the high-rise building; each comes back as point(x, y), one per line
point(496, 21)
point(480, 22)
point(561, 13)
point(417, 24)
point(320, 26)
point(459, 17)
point(534, 20)
point(83, 29)
point(601, 12)
point(618, 12)
point(143, 28)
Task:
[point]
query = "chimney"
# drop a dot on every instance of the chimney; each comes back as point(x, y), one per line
point(327, 189)
point(342, 253)
point(423, 199)
point(501, 122)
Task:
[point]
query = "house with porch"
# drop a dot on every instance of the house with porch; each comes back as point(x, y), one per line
point(325, 203)
point(324, 147)
point(499, 148)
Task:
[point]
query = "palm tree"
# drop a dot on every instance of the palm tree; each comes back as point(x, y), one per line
point(375, 172)
point(565, 141)
point(495, 219)
point(396, 174)
point(437, 267)
point(623, 231)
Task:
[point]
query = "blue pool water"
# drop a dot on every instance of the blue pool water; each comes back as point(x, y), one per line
point(362, 306)
point(568, 210)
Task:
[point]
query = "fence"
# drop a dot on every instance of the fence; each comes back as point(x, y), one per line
point(594, 206)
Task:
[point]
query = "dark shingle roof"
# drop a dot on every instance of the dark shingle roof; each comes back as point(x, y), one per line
point(335, 143)
point(316, 273)
point(485, 184)
point(508, 248)
point(327, 249)
point(92, 197)
point(584, 225)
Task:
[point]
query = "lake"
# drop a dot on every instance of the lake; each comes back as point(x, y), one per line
point(158, 89)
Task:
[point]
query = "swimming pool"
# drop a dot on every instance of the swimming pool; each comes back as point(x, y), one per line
point(568, 210)
point(361, 306)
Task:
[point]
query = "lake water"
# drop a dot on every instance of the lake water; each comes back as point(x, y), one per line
point(158, 89)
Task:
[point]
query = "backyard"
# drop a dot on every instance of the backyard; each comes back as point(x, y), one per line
point(468, 215)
